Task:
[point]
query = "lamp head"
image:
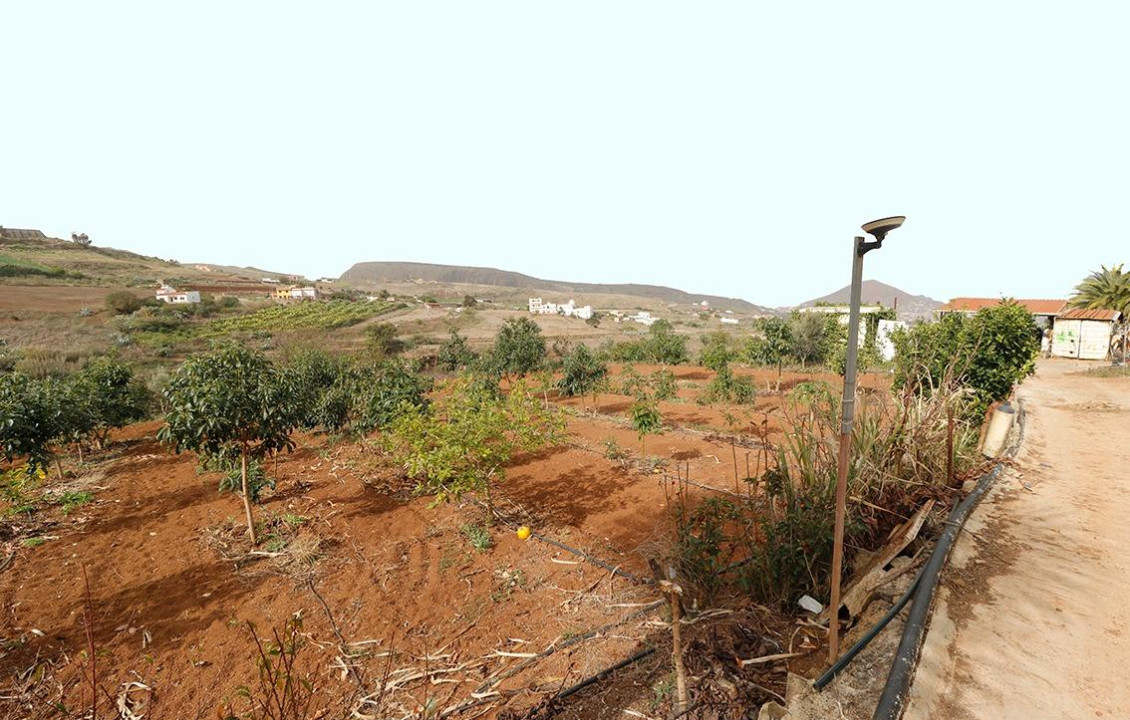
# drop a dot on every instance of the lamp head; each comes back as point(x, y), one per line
point(879, 228)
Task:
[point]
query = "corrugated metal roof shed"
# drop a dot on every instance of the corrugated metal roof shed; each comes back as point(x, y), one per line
point(1036, 307)
point(1085, 314)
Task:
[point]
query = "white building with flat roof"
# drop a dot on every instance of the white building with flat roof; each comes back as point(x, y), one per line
point(178, 297)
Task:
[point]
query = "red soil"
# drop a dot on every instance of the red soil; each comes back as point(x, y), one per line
point(171, 612)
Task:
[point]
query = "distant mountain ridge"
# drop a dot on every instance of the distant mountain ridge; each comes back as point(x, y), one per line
point(377, 272)
point(874, 292)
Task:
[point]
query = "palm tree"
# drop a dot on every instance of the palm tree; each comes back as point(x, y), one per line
point(1106, 289)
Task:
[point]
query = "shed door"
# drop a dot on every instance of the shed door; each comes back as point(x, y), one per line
point(1065, 338)
point(1094, 342)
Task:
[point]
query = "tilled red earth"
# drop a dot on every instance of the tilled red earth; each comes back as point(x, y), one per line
point(420, 619)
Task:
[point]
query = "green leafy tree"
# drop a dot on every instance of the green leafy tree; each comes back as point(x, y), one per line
point(519, 347)
point(123, 302)
point(1106, 289)
point(324, 386)
point(381, 340)
point(728, 387)
point(582, 372)
point(464, 441)
point(809, 333)
point(386, 391)
point(111, 396)
point(230, 403)
point(664, 346)
point(646, 419)
point(30, 419)
point(663, 385)
point(715, 351)
point(455, 354)
point(989, 352)
point(773, 345)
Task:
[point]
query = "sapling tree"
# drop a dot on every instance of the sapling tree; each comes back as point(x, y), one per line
point(29, 419)
point(582, 371)
point(519, 347)
point(464, 441)
point(227, 404)
point(646, 419)
point(111, 397)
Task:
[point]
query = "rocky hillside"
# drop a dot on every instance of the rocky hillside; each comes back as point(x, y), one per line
point(376, 273)
point(909, 306)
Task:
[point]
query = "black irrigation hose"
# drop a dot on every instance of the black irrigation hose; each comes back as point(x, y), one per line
point(605, 673)
point(892, 701)
point(599, 563)
point(591, 680)
point(831, 673)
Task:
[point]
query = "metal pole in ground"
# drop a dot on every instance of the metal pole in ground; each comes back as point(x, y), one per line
point(877, 229)
point(845, 448)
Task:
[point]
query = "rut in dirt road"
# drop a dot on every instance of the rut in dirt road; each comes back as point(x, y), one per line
point(1032, 619)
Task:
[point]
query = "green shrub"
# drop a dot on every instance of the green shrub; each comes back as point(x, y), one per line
point(989, 352)
point(123, 302)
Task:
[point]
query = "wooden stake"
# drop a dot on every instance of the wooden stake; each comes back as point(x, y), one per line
point(673, 592)
point(949, 446)
point(734, 452)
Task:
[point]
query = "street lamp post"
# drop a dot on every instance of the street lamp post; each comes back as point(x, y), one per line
point(877, 229)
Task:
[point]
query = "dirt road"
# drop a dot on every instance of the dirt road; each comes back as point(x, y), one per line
point(1033, 618)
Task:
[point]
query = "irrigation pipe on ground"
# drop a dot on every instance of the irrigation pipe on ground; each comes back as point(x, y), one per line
point(615, 570)
point(951, 522)
point(892, 701)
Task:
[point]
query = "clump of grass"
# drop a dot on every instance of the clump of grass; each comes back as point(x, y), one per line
point(478, 536)
point(782, 531)
point(73, 499)
point(33, 542)
point(1110, 371)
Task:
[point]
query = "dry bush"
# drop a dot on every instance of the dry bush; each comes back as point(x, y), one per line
point(778, 539)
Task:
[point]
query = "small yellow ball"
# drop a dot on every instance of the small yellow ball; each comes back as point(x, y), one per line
point(523, 533)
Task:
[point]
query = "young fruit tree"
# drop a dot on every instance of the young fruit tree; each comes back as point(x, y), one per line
point(464, 441)
point(582, 373)
point(113, 400)
point(519, 347)
point(230, 403)
point(646, 419)
point(30, 419)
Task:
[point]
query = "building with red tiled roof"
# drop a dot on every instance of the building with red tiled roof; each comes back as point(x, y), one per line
point(1046, 308)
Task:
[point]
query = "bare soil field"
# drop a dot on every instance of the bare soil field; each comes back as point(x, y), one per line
point(56, 298)
point(399, 612)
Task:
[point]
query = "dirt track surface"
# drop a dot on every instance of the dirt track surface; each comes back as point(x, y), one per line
point(1032, 620)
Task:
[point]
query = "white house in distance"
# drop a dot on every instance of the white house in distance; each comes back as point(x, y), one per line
point(643, 317)
point(569, 309)
point(177, 297)
point(729, 321)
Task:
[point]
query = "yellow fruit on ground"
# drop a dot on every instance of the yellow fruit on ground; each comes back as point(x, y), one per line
point(523, 533)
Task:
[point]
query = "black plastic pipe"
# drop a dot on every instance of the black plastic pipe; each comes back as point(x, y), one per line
point(590, 680)
point(892, 702)
point(831, 673)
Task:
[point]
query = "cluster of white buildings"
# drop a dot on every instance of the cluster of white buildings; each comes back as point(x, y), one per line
point(569, 309)
point(177, 297)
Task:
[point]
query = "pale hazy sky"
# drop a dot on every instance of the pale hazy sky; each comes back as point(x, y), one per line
point(727, 148)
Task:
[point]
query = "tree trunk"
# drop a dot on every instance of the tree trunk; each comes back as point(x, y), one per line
point(247, 497)
point(79, 446)
point(59, 467)
point(677, 650)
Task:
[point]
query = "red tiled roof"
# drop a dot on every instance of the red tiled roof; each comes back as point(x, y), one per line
point(1036, 307)
point(1085, 314)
